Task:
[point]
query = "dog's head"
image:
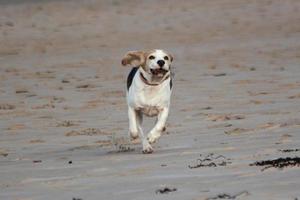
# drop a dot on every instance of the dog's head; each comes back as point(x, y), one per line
point(155, 62)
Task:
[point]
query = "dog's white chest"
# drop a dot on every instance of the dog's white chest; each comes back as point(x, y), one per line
point(149, 100)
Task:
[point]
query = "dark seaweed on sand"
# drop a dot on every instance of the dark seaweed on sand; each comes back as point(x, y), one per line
point(165, 190)
point(211, 160)
point(228, 196)
point(289, 150)
point(278, 163)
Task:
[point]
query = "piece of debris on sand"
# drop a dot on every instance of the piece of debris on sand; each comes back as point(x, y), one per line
point(3, 152)
point(224, 117)
point(289, 150)
point(165, 190)
point(211, 160)
point(279, 163)
point(7, 106)
point(66, 123)
point(228, 196)
point(124, 148)
point(236, 131)
point(88, 131)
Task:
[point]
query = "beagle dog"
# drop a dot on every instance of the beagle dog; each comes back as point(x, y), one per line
point(149, 87)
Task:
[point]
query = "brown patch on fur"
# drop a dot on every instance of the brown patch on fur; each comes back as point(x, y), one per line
point(139, 58)
point(134, 58)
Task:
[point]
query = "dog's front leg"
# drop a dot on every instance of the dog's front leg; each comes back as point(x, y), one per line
point(147, 148)
point(155, 133)
point(133, 127)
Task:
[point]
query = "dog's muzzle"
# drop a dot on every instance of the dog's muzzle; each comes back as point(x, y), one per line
point(159, 72)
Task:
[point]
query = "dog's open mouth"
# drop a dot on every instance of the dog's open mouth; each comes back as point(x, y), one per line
point(158, 72)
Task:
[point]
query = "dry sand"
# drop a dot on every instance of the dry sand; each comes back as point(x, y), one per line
point(63, 118)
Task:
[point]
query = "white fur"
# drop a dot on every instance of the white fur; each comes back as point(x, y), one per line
point(149, 100)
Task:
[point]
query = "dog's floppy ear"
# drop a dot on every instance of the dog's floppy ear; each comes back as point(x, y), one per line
point(134, 58)
point(171, 57)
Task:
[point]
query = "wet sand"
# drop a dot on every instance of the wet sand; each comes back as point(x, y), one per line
point(63, 114)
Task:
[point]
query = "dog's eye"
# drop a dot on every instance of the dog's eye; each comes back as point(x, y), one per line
point(166, 58)
point(151, 57)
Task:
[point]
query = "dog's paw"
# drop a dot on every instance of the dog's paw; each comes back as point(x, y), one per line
point(152, 138)
point(147, 149)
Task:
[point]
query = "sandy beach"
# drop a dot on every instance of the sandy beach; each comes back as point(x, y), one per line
point(236, 100)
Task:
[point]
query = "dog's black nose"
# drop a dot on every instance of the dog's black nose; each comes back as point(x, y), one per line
point(161, 63)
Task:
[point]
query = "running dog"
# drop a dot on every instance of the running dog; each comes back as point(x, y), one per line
point(149, 88)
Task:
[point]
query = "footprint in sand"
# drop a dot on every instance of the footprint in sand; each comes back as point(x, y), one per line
point(224, 117)
point(6, 106)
